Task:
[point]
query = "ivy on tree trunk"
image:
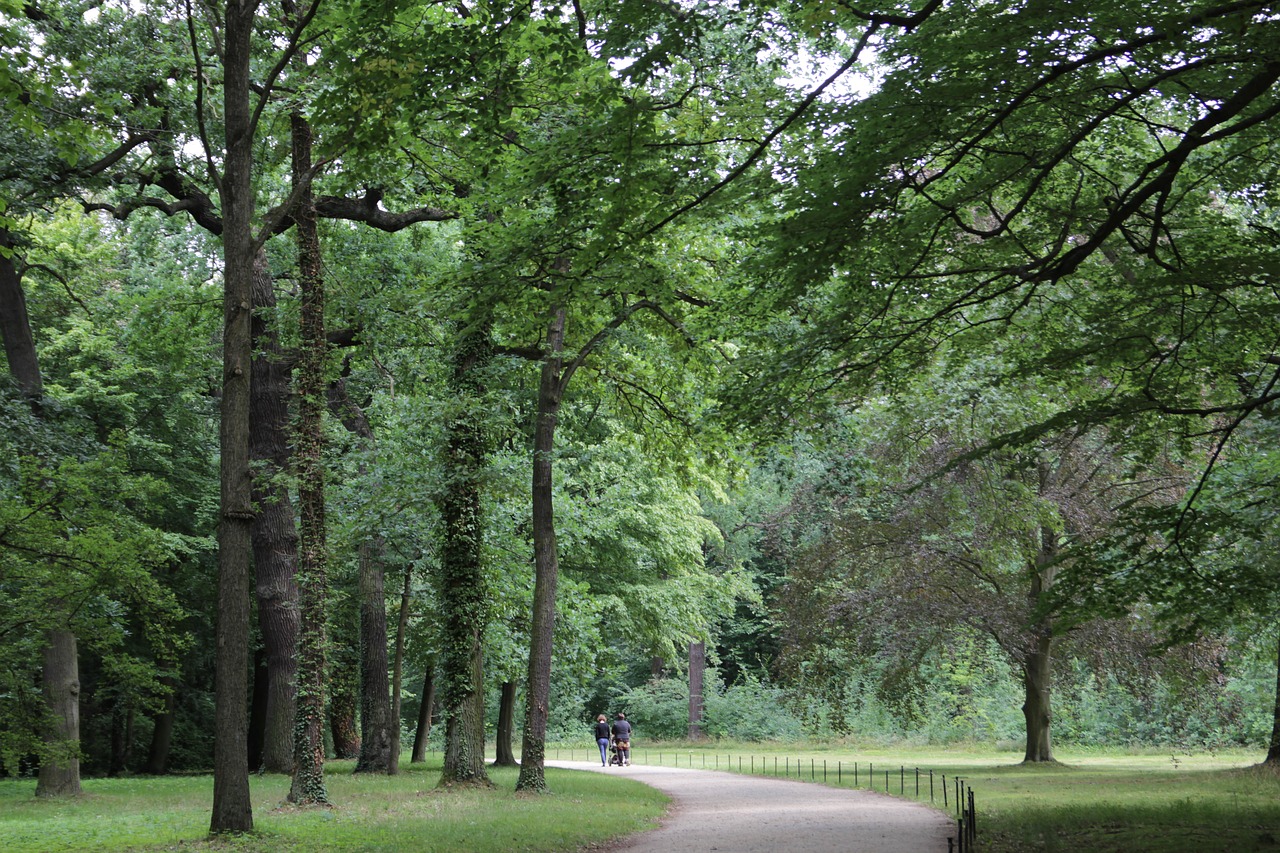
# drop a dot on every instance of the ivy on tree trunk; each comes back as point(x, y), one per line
point(463, 595)
point(308, 774)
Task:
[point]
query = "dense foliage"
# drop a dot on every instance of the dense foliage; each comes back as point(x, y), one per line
point(920, 361)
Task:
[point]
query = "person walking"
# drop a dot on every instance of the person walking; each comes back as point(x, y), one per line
point(622, 737)
point(602, 739)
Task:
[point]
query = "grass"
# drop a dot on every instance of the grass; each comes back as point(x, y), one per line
point(1098, 800)
point(1107, 801)
point(371, 813)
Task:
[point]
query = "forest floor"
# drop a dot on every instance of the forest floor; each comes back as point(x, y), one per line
point(714, 810)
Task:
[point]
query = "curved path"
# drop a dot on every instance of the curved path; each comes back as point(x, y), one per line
point(732, 813)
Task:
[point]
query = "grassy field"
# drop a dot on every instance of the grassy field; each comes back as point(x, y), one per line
point(371, 813)
point(1105, 801)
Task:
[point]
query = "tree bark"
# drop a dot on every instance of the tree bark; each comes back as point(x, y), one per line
point(308, 748)
point(162, 731)
point(60, 765)
point(259, 687)
point(379, 725)
point(546, 564)
point(375, 698)
point(506, 726)
point(397, 670)
point(121, 739)
point(1037, 669)
point(344, 695)
point(422, 733)
point(232, 807)
point(15, 327)
point(697, 673)
point(1273, 749)
point(275, 533)
point(463, 596)
point(379, 714)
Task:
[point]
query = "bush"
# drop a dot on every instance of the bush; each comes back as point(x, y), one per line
point(747, 711)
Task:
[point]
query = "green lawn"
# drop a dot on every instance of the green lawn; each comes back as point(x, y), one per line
point(403, 812)
point(1104, 801)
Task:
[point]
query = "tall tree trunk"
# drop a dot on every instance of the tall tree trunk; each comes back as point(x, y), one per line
point(463, 598)
point(162, 730)
point(344, 692)
point(506, 726)
point(121, 736)
point(232, 808)
point(546, 564)
point(422, 733)
point(697, 674)
point(375, 698)
point(397, 670)
point(258, 690)
point(60, 765)
point(1273, 749)
point(379, 726)
point(308, 749)
point(1037, 669)
point(275, 532)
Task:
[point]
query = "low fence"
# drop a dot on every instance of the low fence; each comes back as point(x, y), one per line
point(954, 792)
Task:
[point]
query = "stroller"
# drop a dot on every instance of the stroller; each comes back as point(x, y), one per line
point(615, 753)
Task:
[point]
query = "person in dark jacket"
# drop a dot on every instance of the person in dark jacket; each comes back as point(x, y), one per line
point(622, 737)
point(602, 739)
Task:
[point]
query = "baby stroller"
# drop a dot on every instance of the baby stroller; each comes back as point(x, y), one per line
point(615, 752)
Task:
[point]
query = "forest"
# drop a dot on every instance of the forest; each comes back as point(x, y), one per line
point(394, 375)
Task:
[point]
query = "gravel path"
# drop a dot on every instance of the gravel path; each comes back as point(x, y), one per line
point(732, 813)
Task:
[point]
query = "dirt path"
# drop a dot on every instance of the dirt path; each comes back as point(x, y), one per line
point(732, 813)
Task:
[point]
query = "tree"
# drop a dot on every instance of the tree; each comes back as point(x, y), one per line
point(275, 533)
point(87, 545)
point(463, 594)
point(308, 746)
point(1081, 169)
point(918, 519)
point(1084, 199)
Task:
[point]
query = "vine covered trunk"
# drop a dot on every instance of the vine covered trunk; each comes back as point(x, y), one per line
point(463, 596)
point(308, 746)
point(343, 664)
